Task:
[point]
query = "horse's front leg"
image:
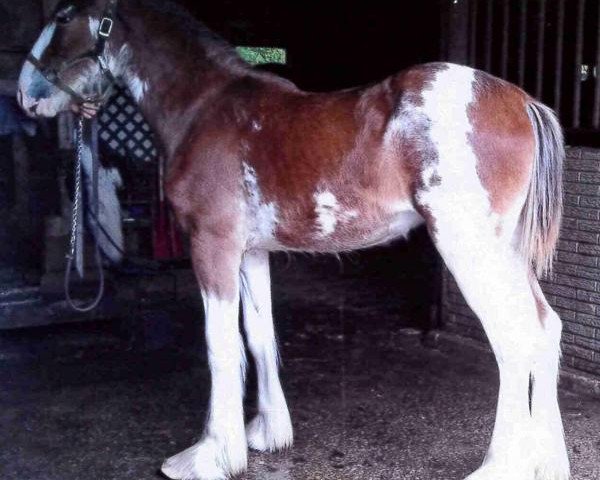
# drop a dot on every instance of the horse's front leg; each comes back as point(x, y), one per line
point(222, 451)
point(271, 429)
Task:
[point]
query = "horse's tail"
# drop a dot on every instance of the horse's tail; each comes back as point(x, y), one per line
point(541, 216)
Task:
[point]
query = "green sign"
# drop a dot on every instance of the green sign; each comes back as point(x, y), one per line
point(262, 55)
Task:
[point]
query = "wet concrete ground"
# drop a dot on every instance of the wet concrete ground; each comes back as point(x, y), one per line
point(368, 400)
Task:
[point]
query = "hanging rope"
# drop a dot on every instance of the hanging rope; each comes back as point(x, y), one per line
point(75, 255)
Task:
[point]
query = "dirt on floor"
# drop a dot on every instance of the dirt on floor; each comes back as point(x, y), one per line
point(368, 401)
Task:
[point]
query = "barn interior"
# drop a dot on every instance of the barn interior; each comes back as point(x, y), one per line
point(387, 373)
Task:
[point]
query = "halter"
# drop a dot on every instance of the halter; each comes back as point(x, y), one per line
point(96, 54)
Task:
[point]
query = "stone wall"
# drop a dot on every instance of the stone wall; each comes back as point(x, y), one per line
point(574, 289)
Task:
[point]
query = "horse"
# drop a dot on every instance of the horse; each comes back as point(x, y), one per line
point(255, 164)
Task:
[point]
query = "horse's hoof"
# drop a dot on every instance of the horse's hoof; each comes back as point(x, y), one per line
point(270, 432)
point(204, 461)
point(553, 469)
point(497, 471)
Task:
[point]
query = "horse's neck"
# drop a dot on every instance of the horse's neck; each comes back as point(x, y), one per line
point(172, 82)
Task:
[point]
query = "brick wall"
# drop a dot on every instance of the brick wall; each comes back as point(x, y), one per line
point(574, 290)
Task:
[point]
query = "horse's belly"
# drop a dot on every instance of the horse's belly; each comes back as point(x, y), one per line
point(398, 226)
point(333, 229)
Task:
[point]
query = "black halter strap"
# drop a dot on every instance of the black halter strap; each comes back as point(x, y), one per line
point(96, 54)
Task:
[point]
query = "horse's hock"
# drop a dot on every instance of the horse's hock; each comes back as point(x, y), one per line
point(573, 289)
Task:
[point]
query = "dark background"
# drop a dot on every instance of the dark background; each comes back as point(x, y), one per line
point(332, 44)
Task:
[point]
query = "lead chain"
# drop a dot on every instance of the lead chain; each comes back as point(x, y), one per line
point(77, 199)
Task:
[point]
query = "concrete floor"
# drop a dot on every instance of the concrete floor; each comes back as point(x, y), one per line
point(367, 401)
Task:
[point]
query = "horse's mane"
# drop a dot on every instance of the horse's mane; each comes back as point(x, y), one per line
point(181, 21)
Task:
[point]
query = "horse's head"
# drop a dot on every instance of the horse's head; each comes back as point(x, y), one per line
point(68, 63)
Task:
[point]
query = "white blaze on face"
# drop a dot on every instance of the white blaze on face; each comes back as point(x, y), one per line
point(44, 40)
point(29, 71)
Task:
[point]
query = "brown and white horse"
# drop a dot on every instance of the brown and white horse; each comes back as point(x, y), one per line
point(256, 165)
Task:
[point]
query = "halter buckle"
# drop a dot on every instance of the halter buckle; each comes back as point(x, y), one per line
point(106, 26)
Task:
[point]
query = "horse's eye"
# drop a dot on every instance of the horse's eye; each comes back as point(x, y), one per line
point(65, 15)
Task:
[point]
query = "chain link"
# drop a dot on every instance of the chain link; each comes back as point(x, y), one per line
point(77, 197)
point(75, 227)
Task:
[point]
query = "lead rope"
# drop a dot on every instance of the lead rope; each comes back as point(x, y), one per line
point(75, 230)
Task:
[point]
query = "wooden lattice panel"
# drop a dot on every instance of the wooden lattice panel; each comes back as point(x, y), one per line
point(124, 130)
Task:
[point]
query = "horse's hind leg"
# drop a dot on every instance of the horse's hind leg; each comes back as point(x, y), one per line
point(496, 284)
point(553, 462)
point(222, 451)
point(271, 429)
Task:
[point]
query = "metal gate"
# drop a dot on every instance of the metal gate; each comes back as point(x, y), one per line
point(551, 48)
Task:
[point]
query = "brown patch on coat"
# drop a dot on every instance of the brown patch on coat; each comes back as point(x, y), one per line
point(502, 139)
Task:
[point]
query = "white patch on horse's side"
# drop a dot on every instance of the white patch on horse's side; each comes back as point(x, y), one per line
point(400, 206)
point(449, 128)
point(327, 210)
point(401, 219)
point(403, 122)
point(94, 25)
point(262, 217)
point(330, 213)
point(404, 219)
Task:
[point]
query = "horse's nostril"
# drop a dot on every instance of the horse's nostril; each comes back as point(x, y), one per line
point(33, 108)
